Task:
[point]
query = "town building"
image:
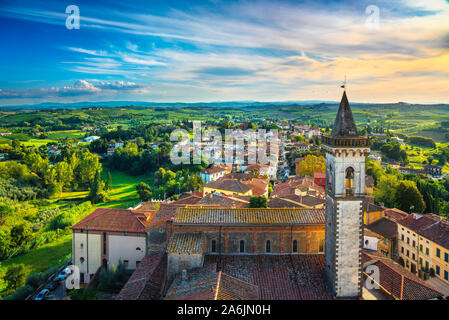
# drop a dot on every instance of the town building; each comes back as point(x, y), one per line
point(212, 174)
point(105, 237)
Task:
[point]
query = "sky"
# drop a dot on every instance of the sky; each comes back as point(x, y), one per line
point(204, 51)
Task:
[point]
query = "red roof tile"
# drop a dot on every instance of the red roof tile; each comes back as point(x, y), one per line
point(104, 219)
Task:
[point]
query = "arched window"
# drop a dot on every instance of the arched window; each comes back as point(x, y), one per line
point(295, 245)
point(213, 246)
point(268, 246)
point(242, 245)
point(349, 181)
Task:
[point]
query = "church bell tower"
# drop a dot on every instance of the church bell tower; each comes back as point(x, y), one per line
point(345, 191)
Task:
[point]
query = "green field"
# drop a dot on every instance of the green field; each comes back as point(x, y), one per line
point(40, 259)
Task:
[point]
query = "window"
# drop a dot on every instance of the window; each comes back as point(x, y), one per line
point(420, 261)
point(82, 245)
point(446, 257)
point(402, 237)
point(242, 245)
point(385, 240)
point(81, 259)
point(446, 275)
point(413, 256)
point(295, 245)
point(322, 245)
point(213, 246)
point(427, 251)
point(427, 265)
point(408, 240)
point(420, 247)
point(438, 253)
point(402, 249)
point(408, 253)
point(268, 246)
point(104, 243)
point(349, 181)
point(414, 243)
point(437, 270)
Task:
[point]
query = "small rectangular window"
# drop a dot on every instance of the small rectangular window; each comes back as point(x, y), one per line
point(446, 257)
point(438, 252)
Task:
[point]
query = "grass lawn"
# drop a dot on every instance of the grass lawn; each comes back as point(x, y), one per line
point(40, 259)
point(74, 134)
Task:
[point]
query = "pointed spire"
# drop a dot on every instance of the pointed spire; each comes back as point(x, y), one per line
point(344, 125)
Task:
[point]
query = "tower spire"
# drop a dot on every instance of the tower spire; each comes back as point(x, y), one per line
point(344, 125)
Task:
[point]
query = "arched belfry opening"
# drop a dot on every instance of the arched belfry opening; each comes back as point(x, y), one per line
point(349, 181)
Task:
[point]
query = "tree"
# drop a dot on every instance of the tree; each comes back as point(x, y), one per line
point(312, 164)
point(144, 191)
point(409, 198)
point(15, 276)
point(385, 190)
point(96, 191)
point(108, 184)
point(258, 202)
point(21, 233)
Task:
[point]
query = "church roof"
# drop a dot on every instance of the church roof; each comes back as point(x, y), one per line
point(344, 125)
point(247, 216)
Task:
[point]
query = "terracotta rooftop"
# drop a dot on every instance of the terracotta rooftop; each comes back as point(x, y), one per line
point(306, 200)
point(396, 280)
point(247, 216)
point(104, 219)
point(188, 200)
point(385, 227)
point(228, 185)
point(186, 242)
point(371, 207)
point(282, 203)
point(223, 201)
point(395, 214)
point(231, 288)
point(419, 222)
point(145, 279)
point(207, 284)
point(213, 170)
point(438, 233)
point(278, 277)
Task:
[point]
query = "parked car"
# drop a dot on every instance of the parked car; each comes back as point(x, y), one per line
point(52, 285)
point(42, 295)
point(64, 274)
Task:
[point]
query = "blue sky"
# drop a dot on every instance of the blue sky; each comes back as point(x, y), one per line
point(224, 50)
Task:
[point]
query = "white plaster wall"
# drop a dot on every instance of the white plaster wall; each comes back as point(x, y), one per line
point(340, 163)
point(370, 243)
point(124, 247)
point(349, 251)
point(92, 261)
